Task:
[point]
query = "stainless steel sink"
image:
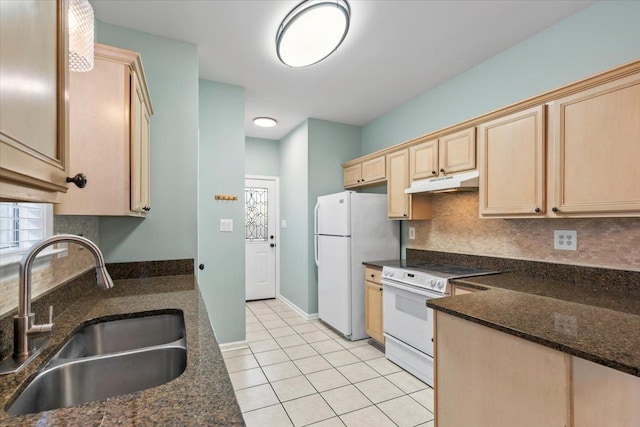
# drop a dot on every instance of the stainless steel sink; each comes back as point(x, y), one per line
point(108, 359)
point(124, 334)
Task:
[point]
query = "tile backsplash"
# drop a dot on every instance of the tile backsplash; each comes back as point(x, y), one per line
point(455, 227)
point(62, 268)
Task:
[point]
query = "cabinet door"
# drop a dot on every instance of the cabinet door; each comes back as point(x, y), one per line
point(457, 152)
point(373, 311)
point(511, 159)
point(139, 149)
point(33, 101)
point(423, 160)
point(374, 170)
point(352, 175)
point(397, 182)
point(596, 146)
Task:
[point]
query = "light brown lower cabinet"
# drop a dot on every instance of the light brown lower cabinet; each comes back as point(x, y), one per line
point(501, 381)
point(373, 304)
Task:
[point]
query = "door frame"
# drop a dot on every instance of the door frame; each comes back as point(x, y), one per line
point(276, 180)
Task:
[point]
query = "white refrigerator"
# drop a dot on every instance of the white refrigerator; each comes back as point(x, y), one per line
point(350, 228)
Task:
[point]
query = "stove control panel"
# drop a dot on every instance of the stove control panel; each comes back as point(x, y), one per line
point(415, 278)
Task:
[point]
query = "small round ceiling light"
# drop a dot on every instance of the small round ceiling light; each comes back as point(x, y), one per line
point(312, 31)
point(265, 122)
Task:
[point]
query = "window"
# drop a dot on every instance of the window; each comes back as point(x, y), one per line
point(21, 225)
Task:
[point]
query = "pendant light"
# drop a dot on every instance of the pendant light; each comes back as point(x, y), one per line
point(80, 35)
point(312, 31)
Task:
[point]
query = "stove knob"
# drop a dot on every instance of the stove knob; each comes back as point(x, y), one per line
point(432, 283)
point(440, 284)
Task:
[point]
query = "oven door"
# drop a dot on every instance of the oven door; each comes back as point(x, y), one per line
point(406, 315)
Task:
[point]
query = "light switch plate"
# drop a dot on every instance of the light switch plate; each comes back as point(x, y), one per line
point(565, 240)
point(283, 223)
point(412, 233)
point(226, 225)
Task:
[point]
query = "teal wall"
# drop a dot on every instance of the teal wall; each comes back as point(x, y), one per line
point(294, 239)
point(330, 145)
point(600, 37)
point(169, 232)
point(221, 171)
point(262, 157)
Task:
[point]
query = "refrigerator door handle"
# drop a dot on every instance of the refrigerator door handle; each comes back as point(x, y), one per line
point(315, 249)
point(315, 218)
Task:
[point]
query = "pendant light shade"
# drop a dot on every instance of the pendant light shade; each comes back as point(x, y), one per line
point(80, 35)
point(312, 31)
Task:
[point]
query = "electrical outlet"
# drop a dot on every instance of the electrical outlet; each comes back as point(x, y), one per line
point(412, 233)
point(565, 240)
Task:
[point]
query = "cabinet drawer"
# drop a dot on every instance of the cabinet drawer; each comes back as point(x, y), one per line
point(372, 275)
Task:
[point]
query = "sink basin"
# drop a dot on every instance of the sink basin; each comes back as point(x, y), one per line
point(88, 379)
point(108, 359)
point(124, 334)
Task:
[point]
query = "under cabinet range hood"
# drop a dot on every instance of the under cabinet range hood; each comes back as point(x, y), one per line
point(467, 181)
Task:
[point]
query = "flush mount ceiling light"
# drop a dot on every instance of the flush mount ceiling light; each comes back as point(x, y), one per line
point(265, 122)
point(312, 31)
point(80, 35)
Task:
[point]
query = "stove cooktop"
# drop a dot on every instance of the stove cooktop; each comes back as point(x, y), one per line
point(446, 270)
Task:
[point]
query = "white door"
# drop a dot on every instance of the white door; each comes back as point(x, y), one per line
point(260, 238)
point(334, 282)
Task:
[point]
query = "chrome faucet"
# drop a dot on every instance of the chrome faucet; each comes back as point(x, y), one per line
point(24, 329)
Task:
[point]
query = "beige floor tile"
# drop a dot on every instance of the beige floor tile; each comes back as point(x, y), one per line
point(247, 378)
point(292, 388)
point(300, 351)
point(406, 382)
point(271, 357)
point(273, 324)
point(379, 389)
point(367, 417)
point(367, 352)
point(282, 332)
point(281, 371)
point(404, 411)
point(255, 327)
point(290, 341)
point(332, 334)
point(240, 363)
point(326, 346)
point(327, 380)
point(431, 423)
point(251, 319)
point(297, 320)
point(383, 366)
point(258, 335)
point(345, 399)
point(331, 422)
point(425, 398)
point(351, 344)
point(260, 311)
point(357, 372)
point(272, 416)
point(316, 336)
point(289, 314)
point(263, 345)
point(267, 317)
point(340, 358)
point(319, 324)
point(312, 364)
point(256, 397)
point(308, 409)
point(236, 352)
point(304, 327)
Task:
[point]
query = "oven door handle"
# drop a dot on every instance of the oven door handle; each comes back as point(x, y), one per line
point(412, 289)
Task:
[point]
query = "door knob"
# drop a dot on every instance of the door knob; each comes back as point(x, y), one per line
point(273, 245)
point(271, 237)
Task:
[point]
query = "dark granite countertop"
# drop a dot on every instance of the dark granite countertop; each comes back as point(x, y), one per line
point(389, 263)
point(202, 395)
point(591, 322)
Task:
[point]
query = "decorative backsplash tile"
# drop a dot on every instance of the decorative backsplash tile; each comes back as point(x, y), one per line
point(455, 227)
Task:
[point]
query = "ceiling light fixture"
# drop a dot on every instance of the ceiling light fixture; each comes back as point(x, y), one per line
point(80, 35)
point(312, 31)
point(265, 122)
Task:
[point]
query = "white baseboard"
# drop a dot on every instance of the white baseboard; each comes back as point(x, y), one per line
point(235, 345)
point(297, 309)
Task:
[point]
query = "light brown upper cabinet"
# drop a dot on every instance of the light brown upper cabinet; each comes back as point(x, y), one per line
point(109, 136)
point(595, 150)
point(449, 154)
point(399, 204)
point(511, 160)
point(33, 101)
point(370, 171)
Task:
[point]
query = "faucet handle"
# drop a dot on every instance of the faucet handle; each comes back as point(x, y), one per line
point(50, 314)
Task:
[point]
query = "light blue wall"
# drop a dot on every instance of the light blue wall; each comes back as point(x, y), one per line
point(262, 157)
point(600, 37)
point(169, 232)
point(330, 145)
point(294, 240)
point(221, 171)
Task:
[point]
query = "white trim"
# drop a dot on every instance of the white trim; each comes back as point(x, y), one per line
point(297, 309)
point(235, 345)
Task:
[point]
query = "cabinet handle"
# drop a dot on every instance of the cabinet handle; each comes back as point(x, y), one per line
point(434, 173)
point(537, 210)
point(442, 170)
point(373, 275)
point(404, 214)
point(80, 180)
point(362, 179)
point(146, 208)
point(358, 180)
point(555, 209)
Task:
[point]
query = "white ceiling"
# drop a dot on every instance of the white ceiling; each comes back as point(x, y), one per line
point(394, 51)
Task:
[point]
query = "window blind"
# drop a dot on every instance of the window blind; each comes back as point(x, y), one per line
point(22, 224)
